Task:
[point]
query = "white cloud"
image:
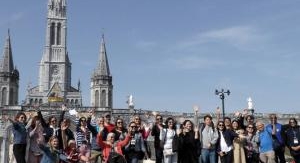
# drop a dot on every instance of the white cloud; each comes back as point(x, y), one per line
point(241, 37)
point(193, 62)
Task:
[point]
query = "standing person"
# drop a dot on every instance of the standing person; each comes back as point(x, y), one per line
point(167, 137)
point(276, 129)
point(20, 136)
point(35, 131)
point(293, 139)
point(188, 143)
point(108, 125)
point(156, 132)
point(119, 130)
point(251, 146)
point(266, 152)
point(145, 133)
point(238, 144)
point(135, 150)
point(225, 143)
point(208, 139)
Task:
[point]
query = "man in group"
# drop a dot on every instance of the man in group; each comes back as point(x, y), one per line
point(208, 138)
point(276, 130)
point(267, 154)
point(156, 132)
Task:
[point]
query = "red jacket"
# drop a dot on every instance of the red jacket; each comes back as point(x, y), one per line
point(106, 148)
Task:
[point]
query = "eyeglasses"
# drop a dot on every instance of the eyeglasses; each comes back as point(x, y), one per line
point(158, 118)
point(119, 122)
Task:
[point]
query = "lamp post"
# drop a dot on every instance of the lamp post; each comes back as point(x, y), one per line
point(222, 97)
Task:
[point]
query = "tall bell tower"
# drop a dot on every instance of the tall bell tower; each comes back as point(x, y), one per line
point(55, 66)
point(9, 77)
point(101, 81)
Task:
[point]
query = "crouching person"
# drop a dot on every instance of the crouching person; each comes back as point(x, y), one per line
point(111, 150)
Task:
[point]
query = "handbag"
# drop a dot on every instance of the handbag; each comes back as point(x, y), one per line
point(168, 152)
point(148, 161)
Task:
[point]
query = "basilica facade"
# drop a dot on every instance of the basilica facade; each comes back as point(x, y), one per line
point(55, 69)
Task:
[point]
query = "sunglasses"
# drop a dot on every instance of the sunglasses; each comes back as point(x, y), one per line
point(250, 127)
point(158, 118)
point(221, 125)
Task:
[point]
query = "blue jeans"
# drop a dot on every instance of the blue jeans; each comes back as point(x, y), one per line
point(208, 155)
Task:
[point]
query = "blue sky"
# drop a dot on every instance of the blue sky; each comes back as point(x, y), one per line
point(171, 55)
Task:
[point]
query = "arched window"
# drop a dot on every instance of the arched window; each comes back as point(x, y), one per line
point(11, 96)
point(52, 34)
point(40, 101)
point(72, 102)
point(97, 98)
point(31, 101)
point(76, 102)
point(36, 101)
point(103, 99)
point(58, 35)
point(4, 96)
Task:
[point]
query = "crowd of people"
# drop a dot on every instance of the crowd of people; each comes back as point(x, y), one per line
point(241, 139)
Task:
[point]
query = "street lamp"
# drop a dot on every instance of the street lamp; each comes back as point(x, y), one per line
point(222, 97)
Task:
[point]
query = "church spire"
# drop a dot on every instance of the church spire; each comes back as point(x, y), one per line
point(7, 64)
point(103, 67)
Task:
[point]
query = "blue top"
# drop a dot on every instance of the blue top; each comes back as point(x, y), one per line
point(278, 131)
point(20, 133)
point(265, 139)
point(49, 156)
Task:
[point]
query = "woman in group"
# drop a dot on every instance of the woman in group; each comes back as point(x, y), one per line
point(110, 146)
point(188, 139)
point(35, 132)
point(238, 143)
point(50, 151)
point(251, 146)
point(135, 150)
point(293, 139)
point(119, 130)
point(20, 136)
point(167, 137)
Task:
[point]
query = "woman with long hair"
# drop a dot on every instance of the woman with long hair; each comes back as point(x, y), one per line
point(20, 136)
point(167, 137)
point(293, 139)
point(238, 143)
point(35, 132)
point(251, 146)
point(188, 139)
point(50, 151)
point(135, 150)
point(119, 130)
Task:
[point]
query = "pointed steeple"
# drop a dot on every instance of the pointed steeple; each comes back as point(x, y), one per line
point(103, 67)
point(7, 64)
